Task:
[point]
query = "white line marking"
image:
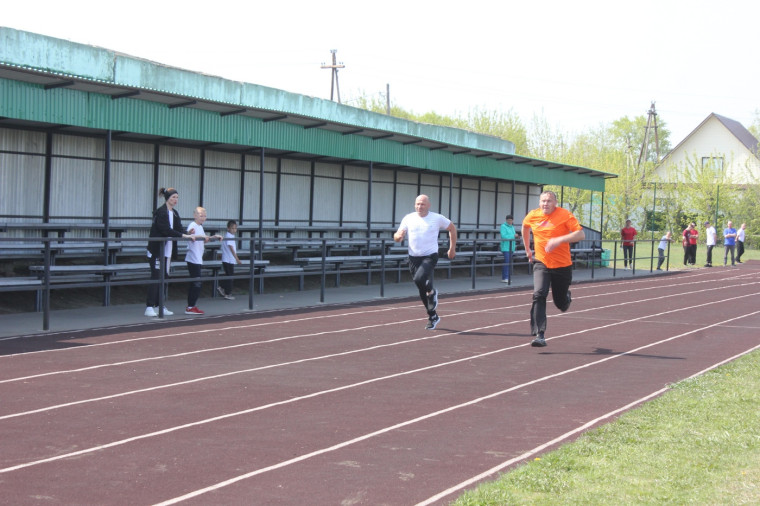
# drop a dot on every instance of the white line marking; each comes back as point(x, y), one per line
point(352, 329)
point(364, 437)
point(568, 434)
point(374, 380)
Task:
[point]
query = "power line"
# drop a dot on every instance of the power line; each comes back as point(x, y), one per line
point(335, 66)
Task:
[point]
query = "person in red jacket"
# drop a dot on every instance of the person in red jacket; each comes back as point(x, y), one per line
point(628, 234)
point(690, 236)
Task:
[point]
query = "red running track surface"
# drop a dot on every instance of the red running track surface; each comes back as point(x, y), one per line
point(351, 404)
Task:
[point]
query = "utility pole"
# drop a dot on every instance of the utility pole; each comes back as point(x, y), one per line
point(651, 125)
point(335, 66)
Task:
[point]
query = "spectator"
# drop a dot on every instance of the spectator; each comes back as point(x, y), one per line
point(729, 242)
point(166, 223)
point(194, 259)
point(628, 234)
point(229, 260)
point(667, 238)
point(690, 236)
point(740, 235)
point(711, 239)
point(508, 242)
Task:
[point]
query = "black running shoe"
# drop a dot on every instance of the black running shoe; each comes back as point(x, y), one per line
point(539, 341)
point(569, 299)
point(432, 304)
point(433, 322)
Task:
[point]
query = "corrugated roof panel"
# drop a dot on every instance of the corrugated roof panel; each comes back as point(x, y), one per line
point(70, 107)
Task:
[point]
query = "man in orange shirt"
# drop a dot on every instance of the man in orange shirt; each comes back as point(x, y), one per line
point(554, 228)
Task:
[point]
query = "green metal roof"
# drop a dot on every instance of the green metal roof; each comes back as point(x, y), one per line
point(53, 81)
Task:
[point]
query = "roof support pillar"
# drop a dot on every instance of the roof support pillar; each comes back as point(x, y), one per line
point(48, 177)
point(369, 198)
point(311, 192)
point(261, 196)
point(107, 196)
point(241, 197)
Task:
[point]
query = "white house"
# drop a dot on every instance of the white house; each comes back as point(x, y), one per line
point(719, 143)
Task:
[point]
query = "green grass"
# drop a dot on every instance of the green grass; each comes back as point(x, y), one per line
point(699, 443)
point(676, 256)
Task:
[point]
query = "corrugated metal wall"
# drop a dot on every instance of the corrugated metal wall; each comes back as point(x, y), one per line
point(90, 110)
point(78, 172)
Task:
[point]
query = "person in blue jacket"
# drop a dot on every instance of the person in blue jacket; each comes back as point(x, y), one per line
point(508, 243)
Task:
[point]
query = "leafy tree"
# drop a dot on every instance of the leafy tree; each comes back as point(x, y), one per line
point(629, 135)
point(700, 192)
point(692, 192)
point(754, 128)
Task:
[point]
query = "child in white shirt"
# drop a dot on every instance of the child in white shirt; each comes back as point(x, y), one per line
point(194, 258)
point(229, 259)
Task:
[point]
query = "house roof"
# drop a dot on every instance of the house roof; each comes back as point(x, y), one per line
point(741, 133)
point(737, 130)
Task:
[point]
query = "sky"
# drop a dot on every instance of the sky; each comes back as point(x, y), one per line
point(575, 65)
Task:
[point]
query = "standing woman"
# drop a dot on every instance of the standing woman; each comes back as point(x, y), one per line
point(166, 223)
point(687, 244)
point(693, 243)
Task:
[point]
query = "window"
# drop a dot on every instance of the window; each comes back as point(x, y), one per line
point(713, 163)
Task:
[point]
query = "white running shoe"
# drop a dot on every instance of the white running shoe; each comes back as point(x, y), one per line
point(149, 311)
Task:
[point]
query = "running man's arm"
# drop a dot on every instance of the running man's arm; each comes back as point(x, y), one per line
point(576, 236)
point(526, 241)
point(452, 240)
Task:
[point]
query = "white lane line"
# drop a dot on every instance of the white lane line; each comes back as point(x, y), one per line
point(339, 331)
point(375, 380)
point(201, 331)
point(231, 373)
point(338, 315)
point(385, 430)
point(538, 449)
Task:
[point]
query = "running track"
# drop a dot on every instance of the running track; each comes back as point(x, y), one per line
point(351, 404)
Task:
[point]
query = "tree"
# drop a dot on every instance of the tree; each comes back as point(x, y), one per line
point(629, 135)
point(700, 192)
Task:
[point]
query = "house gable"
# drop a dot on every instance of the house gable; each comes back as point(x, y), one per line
point(716, 137)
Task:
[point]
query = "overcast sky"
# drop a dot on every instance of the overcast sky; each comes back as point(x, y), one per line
point(576, 64)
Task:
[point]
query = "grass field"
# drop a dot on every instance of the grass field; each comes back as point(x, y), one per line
point(697, 444)
point(644, 254)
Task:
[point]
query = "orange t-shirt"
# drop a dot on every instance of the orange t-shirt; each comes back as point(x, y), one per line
point(545, 226)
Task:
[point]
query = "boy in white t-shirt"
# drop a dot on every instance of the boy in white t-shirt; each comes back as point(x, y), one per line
point(422, 228)
point(194, 258)
point(229, 259)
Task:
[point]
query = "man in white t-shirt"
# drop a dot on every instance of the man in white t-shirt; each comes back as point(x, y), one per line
point(422, 228)
point(712, 235)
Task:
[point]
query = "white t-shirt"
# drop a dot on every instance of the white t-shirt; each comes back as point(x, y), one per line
point(422, 233)
point(663, 242)
point(711, 235)
point(195, 248)
point(168, 245)
point(227, 248)
point(740, 235)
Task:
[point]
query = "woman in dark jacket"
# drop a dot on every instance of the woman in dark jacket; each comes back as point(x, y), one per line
point(166, 223)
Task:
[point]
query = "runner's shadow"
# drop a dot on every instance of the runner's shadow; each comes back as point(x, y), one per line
point(607, 352)
point(490, 334)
